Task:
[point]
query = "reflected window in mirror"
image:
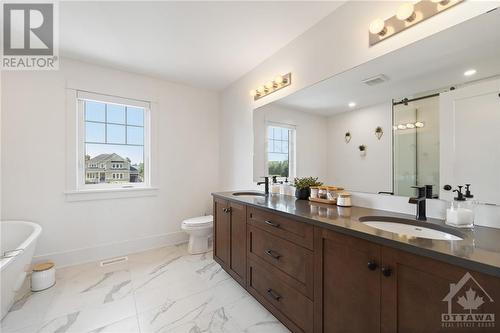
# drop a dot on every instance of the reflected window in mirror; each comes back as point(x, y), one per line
point(280, 150)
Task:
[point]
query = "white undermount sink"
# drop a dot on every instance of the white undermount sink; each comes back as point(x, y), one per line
point(409, 228)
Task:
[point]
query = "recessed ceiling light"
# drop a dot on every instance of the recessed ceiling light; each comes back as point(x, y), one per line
point(470, 72)
point(352, 104)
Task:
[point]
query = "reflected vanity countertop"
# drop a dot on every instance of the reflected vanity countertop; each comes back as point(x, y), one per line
point(479, 249)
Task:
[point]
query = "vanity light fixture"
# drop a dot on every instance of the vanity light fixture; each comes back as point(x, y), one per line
point(351, 105)
point(470, 72)
point(407, 15)
point(419, 124)
point(410, 125)
point(281, 81)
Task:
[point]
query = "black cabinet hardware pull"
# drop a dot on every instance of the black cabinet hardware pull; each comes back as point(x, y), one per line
point(276, 225)
point(226, 210)
point(372, 265)
point(386, 271)
point(273, 254)
point(273, 294)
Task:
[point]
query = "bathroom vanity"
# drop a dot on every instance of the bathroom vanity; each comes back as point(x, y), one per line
point(318, 268)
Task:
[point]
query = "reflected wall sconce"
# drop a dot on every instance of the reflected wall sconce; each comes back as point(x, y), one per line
point(279, 82)
point(379, 132)
point(347, 137)
point(407, 15)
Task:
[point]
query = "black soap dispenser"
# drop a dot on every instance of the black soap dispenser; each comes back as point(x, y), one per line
point(468, 194)
point(461, 212)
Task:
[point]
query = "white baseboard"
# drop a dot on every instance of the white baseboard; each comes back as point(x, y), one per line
point(90, 254)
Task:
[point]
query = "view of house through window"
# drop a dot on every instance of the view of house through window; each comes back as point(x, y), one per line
point(278, 150)
point(114, 143)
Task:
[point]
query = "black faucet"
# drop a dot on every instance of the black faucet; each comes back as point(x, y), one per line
point(420, 202)
point(266, 182)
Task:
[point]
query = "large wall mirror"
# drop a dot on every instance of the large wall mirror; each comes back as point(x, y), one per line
point(426, 114)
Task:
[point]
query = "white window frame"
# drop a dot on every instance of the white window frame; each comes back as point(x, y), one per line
point(292, 148)
point(81, 97)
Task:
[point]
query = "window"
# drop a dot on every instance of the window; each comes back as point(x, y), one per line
point(280, 150)
point(113, 136)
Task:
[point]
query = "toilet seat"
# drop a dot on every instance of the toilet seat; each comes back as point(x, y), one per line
point(198, 222)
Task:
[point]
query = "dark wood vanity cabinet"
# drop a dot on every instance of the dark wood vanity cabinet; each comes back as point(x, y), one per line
point(230, 238)
point(361, 286)
point(317, 280)
point(347, 284)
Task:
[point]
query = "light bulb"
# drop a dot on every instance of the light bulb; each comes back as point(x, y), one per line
point(401, 127)
point(419, 124)
point(253, 92)
point(470, 72)
point(410, 125)
point(377, 27)
point(406, 12)
point(351, 104)
point(441, 2)
point(261, 89)
point(269, 84)
point(278, 79)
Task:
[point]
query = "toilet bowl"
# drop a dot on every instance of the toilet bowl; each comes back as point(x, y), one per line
point(199, 230)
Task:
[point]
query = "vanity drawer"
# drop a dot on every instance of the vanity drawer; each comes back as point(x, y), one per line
point(294, 231)
point(270, 290)
point(295, 261)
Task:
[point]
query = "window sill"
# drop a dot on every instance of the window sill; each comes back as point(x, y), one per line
point(110, 193)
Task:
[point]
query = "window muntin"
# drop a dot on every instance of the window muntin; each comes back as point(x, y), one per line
point(113, 141)
point(279, 150)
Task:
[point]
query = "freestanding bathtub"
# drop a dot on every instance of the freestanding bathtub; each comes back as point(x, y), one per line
point(18, 241)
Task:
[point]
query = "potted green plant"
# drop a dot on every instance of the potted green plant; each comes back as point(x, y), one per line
point(302, 186)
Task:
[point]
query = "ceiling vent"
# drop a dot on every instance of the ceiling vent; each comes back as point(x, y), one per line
point(375, 80)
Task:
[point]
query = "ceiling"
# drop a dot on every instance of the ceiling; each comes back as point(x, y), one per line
point(203, 44)
point(431, 64)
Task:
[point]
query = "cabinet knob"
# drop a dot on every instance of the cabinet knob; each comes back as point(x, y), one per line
point(273, 294)
point(386, 271)
point(372, 265)
point(273, 254)
point(226, 210)
point(272, 224)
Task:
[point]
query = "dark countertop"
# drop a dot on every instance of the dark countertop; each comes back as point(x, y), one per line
point(479, 250)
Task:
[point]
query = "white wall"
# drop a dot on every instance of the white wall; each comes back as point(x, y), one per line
point(346, 166)
point(34, 159)
point(337, 43)
point(311, 140)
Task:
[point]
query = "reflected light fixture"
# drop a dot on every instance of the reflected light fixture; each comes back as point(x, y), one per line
point(470, 72)
point(351, 104)
point(269, 87)
point(419, 124)
point(410, 125)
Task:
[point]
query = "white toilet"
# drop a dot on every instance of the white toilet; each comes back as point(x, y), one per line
point(199, 230)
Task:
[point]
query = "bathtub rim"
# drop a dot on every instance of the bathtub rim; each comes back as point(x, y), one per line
point(37, 229)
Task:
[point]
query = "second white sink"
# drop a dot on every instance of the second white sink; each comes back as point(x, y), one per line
point(411, 230)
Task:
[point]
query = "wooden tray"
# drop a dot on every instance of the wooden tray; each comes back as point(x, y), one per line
point(325, 201)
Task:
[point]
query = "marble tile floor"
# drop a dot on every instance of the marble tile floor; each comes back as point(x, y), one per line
point(161, 290)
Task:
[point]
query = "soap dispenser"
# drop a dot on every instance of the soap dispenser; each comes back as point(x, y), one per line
point(460, 214)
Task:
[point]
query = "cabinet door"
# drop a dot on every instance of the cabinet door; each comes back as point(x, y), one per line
point(420, 292)
point(238, 241)
point(347, 284)
point(222, 236)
